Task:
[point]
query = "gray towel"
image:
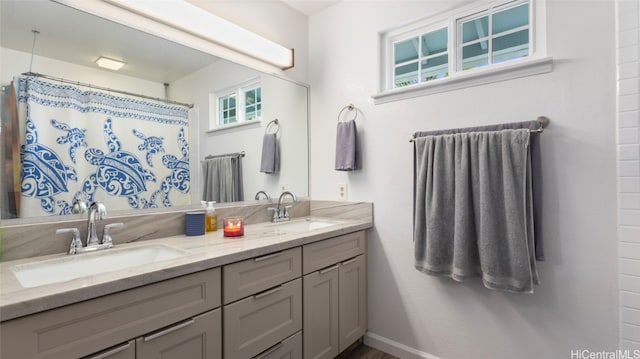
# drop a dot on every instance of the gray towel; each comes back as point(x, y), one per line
point(473, 212)
point(536, 169)
point(222, 179)
point(270, 162)
point(347, 151)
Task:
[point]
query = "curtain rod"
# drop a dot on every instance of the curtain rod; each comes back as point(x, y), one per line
point(60, 79)
point(241, 154)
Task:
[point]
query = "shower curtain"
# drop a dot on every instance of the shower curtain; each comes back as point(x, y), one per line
point(79, 145)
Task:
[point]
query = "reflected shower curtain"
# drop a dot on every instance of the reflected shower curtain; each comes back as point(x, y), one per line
point(223, 179)
point(95, 146)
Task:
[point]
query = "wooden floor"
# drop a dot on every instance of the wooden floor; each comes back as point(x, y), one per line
point(364, 352)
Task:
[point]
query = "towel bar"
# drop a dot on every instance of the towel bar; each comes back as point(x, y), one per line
point(542, 120)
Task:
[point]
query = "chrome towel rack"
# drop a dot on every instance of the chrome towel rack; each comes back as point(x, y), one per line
point(349, 107)
point(542, 120)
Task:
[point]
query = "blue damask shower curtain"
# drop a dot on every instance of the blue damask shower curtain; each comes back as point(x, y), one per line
point(95, 146)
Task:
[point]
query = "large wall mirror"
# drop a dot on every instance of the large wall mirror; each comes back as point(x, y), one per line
point(123, 156)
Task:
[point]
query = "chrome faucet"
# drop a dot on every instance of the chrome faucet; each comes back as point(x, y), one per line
point(99, 211)
point(281, 213)
point(266, 195)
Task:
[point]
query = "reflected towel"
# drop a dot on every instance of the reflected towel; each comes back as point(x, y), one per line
point(347, 152)
point(270, 162)
point(473, 212)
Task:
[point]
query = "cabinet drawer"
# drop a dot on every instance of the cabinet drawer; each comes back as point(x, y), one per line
point(123, 351)
point(81, 329)
point(331, 251)
point(255, 275)
point(290, 348)
point(255, 324)
point(196, 338)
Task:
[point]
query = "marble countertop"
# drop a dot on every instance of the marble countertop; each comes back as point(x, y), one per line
point(203, 252)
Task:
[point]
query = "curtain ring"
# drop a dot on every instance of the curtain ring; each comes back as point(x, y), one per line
point(349, 107)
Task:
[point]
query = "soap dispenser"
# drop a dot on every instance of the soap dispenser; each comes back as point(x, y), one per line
point(211, 219)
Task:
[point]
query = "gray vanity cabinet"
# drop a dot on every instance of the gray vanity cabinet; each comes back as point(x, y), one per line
point(77, 330)
point(196, 338)
point(265, 321)
point(335, 295)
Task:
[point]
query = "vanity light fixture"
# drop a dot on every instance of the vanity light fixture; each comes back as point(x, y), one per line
point(109, 63)
point(199, 22)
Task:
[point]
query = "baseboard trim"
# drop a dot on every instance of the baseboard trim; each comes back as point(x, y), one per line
point(394, 348)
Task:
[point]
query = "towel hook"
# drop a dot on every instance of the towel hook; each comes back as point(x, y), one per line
point(349, 107)
point(272, 122)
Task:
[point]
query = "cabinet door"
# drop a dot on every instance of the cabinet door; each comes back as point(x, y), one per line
point(353, 300)
point(254, 324)
point(197, 338)
point(320, 329)
point(123, 351)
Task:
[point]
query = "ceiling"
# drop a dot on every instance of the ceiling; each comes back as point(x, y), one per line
point(72, 36)
point(310, 7)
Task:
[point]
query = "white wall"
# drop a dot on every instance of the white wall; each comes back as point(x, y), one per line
point(13, 63)
point(628, 144)
point(281, 99)
point(576, 305)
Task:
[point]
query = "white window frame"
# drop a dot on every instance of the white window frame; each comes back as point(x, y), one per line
point(239, 90)
point(537, 62)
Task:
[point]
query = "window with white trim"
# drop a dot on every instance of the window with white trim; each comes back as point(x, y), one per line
point(239, 104)
point(464, 44)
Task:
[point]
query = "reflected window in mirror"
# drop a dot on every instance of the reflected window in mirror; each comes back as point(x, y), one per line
point(239, 104)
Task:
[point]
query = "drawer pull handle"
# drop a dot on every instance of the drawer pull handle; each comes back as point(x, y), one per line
point(327, 270)
point(268, 256)
point(266, 293)
point(172, 329)
point(112, 351)
point(268, 352)
point(350, 261)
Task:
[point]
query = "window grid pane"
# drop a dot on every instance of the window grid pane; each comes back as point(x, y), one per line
point(508, 32)
point(423, 60)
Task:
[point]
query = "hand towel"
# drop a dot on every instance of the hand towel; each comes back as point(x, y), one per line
point(270, 162)
point(347, 151)
point(473, 213)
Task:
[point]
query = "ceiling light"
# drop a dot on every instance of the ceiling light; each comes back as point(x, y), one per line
point(110, 64)
point(192, 19)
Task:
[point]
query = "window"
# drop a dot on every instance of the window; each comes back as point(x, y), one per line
point(493, 36)
point(238, 105)
point(227, 109)
point(253, 103)
point(421, 58)
point(464, 47)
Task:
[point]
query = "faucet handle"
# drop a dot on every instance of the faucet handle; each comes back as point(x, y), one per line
point(106, 236)
point(76, 242)
point(286, 211)
point(275, 212)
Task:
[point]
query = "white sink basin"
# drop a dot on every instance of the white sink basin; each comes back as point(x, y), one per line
point(74, 266)
point(303, 226)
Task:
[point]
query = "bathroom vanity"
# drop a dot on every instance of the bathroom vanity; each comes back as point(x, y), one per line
point(296, 291)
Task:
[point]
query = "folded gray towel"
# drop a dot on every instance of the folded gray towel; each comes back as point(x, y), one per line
point(347, 151)
point(473, 212)
point(270, 162)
